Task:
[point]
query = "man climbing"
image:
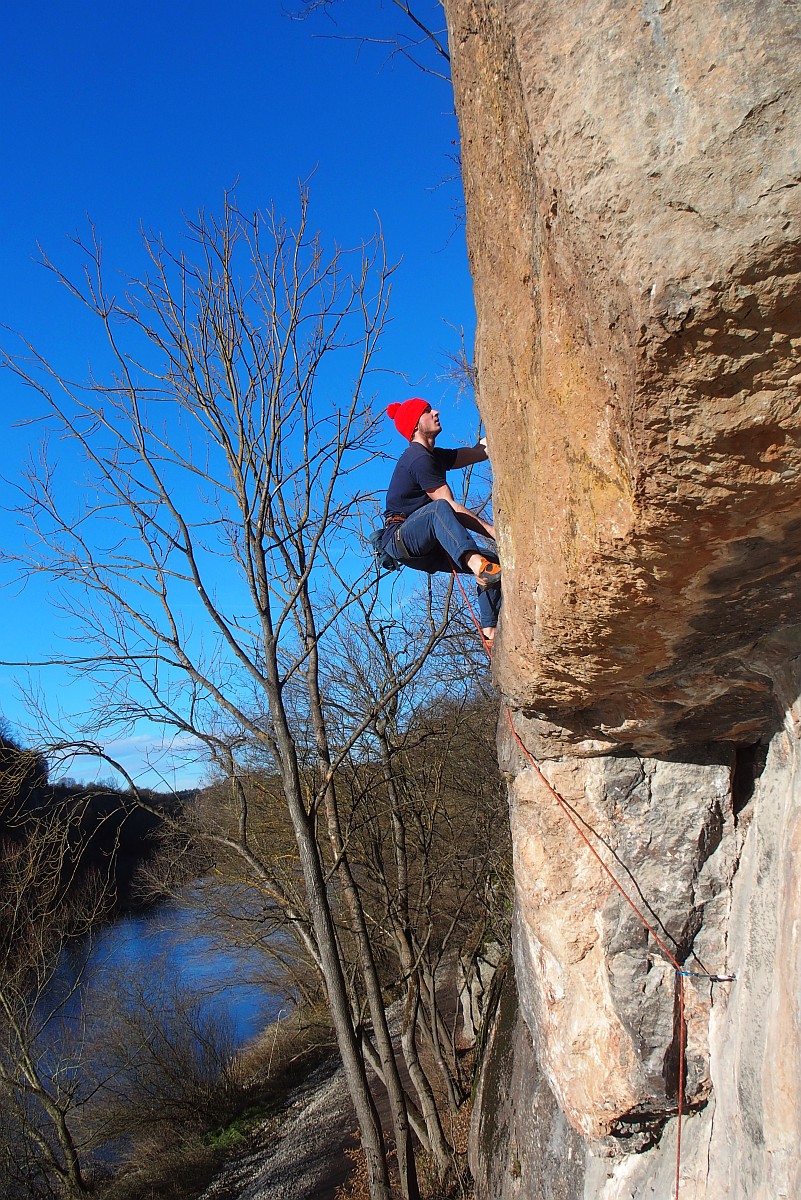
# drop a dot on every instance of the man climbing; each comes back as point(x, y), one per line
point(425, 526)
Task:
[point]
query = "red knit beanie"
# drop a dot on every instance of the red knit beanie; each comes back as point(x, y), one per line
point(407, 415)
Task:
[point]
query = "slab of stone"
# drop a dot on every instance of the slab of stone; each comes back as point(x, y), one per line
point(598, 992)
point(634, 225)
point(521, 1146)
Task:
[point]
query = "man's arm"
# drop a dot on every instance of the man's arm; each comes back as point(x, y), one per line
point(467, 518)
point(467, 455)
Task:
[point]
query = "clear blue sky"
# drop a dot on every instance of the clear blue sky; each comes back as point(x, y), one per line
point(136, 114)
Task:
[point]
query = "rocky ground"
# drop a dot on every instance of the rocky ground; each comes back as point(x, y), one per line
point(303, 1155)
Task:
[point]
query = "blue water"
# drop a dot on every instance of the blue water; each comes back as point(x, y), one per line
point(165, 959)
point(151, 1009)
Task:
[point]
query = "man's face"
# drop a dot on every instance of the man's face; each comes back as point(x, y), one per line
point(429, 422)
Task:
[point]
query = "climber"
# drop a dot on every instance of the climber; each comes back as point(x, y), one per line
point(425, 526)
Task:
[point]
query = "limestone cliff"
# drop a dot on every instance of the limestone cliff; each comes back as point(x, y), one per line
point(632, 180)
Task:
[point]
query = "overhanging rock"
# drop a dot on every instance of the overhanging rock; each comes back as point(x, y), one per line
point(633, 210)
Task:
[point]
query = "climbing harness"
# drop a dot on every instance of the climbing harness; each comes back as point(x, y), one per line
point(681, 973)
point(385, 560)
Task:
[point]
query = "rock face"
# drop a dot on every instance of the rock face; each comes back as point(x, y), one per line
point(521, 1143)
point(631, 175)
point(600, 999)
point(634, 217)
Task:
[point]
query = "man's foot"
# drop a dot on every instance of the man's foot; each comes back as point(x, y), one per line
point(489, 637)
point(489, 573)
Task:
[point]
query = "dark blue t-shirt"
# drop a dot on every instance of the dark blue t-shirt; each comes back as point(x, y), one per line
point(417, 472)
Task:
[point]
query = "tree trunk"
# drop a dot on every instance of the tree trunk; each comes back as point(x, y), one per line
point(392, 1081)
point(352, 1058)
point(404, 1148)
point(438, 1035)
point(416, 1118)
point(325, 934)
point(436, 1135)
point(443, 1155)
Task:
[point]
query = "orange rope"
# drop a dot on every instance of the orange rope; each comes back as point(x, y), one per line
point(568, 813)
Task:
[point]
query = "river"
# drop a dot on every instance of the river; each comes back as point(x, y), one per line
point(173, 945)
point(162, 983)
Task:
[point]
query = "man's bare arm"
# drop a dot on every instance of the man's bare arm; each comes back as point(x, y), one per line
point(467, 455)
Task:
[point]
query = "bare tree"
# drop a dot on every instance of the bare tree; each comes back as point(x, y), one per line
point(427, 826)
point(211, 551)
point(420, 35)
point(47, 899)
point(164, 1060)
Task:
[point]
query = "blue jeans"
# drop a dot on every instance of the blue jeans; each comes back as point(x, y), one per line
point(435, 540)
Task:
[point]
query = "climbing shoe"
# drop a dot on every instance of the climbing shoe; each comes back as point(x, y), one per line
point(489, 575)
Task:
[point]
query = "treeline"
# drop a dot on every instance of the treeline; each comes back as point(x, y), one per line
point(422, 810)
point(104, 831)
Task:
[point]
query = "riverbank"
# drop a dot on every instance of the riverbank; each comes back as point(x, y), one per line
point(308, 1150)
point(300, 1154)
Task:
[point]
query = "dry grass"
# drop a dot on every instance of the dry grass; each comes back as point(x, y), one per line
point(431, 1188)
point(286, 1051)
point(178, 1160)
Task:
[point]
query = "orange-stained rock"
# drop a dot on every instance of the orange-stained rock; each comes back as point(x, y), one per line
point(632, 175)
point(634, 224)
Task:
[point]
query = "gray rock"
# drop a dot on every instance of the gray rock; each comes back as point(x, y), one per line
point(521, 1146)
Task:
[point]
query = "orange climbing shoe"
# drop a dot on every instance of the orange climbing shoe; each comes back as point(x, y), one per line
point(489, 574)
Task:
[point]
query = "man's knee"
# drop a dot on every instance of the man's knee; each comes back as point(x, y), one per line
point(442, 510)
